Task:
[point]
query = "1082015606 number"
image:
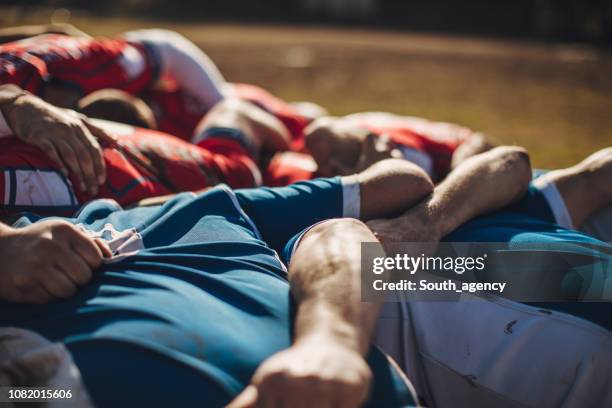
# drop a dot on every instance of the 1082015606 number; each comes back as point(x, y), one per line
point(38, 393)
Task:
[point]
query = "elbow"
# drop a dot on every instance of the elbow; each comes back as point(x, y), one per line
point(407, 179)
point(516, 163)
point(394, 185)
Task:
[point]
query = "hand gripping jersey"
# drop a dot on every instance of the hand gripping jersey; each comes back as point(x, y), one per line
point(428, 144)
point(143, 164)
point(85, 64)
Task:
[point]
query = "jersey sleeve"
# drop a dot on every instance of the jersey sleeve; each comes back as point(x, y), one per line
point(182, 61)
point(98, 63)
point(84, 64)
point(22, 69)
point(282, 212)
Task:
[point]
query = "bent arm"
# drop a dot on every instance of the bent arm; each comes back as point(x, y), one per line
point(384, 190)
point(481, 184)
point(325, 366)
point(324, 276)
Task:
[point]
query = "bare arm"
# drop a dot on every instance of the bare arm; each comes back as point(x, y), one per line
point(325, 366)
point(481, 184)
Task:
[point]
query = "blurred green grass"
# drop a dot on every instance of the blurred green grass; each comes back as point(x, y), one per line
point(554, 99)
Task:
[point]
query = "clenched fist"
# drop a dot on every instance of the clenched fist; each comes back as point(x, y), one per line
point(314, 372)
point(46, 261)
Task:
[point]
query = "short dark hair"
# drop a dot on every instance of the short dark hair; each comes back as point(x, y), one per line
point(117, 106)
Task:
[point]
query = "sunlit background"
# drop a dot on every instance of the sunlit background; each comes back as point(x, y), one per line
point(537, 73)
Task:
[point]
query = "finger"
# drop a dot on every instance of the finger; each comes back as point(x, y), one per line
point(101, 135)
point(37, 295)
point(269, 391)
point(380, 144)
point(301, 395)
point(49, 149)
point(104, 248)
point(246, 399)
point(86, 248)
point(347, 400)
point(78, 141)
point(72, 265)
point(96, 153)
point(57, 283)
point(70, 161)
point(369, 143)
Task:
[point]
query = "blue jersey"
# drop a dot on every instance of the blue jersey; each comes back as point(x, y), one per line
point(187, 319)
point(531, 221)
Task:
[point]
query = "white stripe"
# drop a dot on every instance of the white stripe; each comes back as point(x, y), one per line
point(555, 201)
point(132, 61)
point(7, 187)
point(351, 197)
point(257, 179)
point(232, 196)
point(41, 188)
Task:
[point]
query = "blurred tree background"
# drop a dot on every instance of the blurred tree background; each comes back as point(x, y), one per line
point(574, 20)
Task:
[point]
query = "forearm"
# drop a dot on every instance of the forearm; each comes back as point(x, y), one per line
point(481, 184)
point(325, 281)
point(390, 187)
point(9, 94)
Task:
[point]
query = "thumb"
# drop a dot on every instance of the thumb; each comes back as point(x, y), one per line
point(246, 399)
point(380, 144)
point(99, 133)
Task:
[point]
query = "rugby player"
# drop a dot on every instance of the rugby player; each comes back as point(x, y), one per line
point(62, 69)
point(51, 164)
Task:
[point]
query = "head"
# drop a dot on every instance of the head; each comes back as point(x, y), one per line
point(334, 145)
point(117, 106)
point(60, 95)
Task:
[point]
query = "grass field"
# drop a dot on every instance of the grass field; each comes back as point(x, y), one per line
point(556, 100)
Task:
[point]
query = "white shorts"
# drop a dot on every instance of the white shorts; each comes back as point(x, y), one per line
point(493, 352)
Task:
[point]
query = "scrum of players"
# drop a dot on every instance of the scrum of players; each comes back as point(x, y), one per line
point(144, 117)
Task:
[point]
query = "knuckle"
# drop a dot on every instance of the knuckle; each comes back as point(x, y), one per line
point(66, 291)
point(64, 228)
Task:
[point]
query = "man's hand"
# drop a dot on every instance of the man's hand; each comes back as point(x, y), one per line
point(46, 261)
point(64, 137)
point(314, 372)
point(374, 148)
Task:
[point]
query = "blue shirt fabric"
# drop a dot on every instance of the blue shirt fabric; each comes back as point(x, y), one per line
point(187, 320)
point(529, 225)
